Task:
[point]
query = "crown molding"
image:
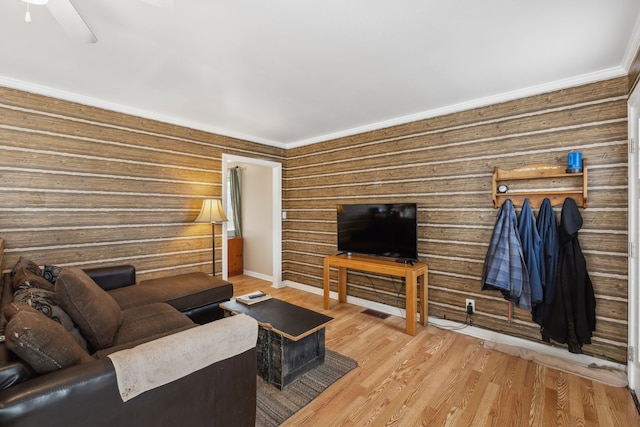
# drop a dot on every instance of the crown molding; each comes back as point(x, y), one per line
point(606, 74)
point(120, 108)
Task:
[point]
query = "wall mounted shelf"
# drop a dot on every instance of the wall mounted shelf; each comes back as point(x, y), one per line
point(578, 182)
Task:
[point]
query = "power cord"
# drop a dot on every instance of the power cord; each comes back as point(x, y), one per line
point(398, 292)
point(468, 321)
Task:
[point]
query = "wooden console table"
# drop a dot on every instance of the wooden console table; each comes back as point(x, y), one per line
point(416, 274)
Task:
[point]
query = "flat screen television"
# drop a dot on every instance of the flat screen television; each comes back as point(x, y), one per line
point(384, 229)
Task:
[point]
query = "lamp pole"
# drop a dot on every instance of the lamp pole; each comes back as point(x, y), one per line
point(212, 212)
point(213, 248)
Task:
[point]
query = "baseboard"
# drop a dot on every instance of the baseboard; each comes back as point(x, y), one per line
point(395, 311)
point(635, 401)
point(257, 275)
point(480, 333)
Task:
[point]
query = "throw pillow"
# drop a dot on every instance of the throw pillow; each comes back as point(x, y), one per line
point(51, 273)
point(25, 263)
point(41, 342)
point(95, 312)
point(28, 279)
point(26, 270)
point(46, 302)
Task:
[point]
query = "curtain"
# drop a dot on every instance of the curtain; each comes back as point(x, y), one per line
point(234, 177)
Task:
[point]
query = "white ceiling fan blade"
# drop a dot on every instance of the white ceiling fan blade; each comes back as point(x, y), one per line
point(70, 20)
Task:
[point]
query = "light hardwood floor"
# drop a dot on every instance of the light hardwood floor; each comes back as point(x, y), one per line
point(441, 378)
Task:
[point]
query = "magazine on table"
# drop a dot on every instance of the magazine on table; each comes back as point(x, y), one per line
point(253, 298)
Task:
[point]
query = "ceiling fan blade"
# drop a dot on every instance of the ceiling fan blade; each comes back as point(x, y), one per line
point(70, 20)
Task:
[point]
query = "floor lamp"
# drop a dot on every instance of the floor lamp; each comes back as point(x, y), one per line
point(212, 212)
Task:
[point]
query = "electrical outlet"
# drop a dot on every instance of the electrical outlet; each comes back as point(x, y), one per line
point(470, 306)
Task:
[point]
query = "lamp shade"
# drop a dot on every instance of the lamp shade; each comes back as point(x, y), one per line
point(211, 211)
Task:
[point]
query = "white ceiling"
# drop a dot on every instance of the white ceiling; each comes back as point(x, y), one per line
point(292, 72)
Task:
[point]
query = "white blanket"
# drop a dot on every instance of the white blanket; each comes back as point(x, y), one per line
point(166, 359)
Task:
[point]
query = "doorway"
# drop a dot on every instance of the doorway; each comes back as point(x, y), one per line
point(633, 303)
point(276, 213)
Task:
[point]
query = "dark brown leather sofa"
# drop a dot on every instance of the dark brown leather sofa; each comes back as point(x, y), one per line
point(87, 394)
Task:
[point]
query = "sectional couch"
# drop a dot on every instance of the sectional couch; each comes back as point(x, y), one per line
point(66, 362)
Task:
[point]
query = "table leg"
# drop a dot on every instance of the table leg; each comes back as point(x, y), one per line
point(424, 298)
point(411, 305)
point(342, 284)
point(327, 271)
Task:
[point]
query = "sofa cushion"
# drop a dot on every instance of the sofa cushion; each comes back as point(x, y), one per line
point(46, 302)
point(25, 264)
point(183, 291)
point(13, 369)
point(142, 322)
point(25, 278)
point(101, 354)
point(27, 273)
point(40, 341)
point(95, 312)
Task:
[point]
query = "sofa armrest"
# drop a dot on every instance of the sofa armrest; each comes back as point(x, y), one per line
point(150, 365)
point(113, 277)
point(223, 393)
point(13, 370)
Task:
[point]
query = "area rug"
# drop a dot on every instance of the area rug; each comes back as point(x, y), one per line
point(275, 406)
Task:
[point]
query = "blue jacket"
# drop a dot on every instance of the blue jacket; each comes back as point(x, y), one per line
point(504, 267)
point(532, 252)
point(548, 230)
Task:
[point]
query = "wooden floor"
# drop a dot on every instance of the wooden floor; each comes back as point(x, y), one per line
point(442, 378)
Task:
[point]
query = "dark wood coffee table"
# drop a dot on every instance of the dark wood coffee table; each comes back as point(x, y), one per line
point(290, 338)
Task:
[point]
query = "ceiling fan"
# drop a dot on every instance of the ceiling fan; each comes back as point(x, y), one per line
point(72, 22)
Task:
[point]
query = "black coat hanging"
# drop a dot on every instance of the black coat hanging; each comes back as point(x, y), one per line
point(572, 318)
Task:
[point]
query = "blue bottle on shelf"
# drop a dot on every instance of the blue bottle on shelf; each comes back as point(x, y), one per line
point(574, 162)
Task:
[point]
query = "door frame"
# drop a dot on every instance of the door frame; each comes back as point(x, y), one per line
point(633, 301)
point(276, 197)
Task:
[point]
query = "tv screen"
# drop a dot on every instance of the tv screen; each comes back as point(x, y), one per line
point(386, 229)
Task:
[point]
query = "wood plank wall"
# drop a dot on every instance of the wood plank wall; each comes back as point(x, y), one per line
point(88, 187)
point(445, 164)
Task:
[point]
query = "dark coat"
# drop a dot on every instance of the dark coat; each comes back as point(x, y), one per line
point(531, 251)
point(572, 317)
point(548, 229)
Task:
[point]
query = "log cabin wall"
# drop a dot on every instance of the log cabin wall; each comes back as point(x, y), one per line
point(88, 187)
point(445, 165)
